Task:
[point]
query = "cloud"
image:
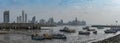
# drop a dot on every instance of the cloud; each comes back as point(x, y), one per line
point(93, 11)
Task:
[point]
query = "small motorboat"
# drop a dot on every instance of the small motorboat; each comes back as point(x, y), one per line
point(94, 32)
point(91, 30)
point(36, 37)
point(110, 31)
point(100, 27)
point(59, 36)
point(66, 29)
point(84, 33)
point(47, 36)
point(115, 28)
point(85, 28)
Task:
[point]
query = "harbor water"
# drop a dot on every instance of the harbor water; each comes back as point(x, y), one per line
point(71, 37)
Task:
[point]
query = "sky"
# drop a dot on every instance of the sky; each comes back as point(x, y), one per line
point(92, 11)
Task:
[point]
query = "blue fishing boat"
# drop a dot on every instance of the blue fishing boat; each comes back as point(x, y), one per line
point(84, 33)
point(36, 37)
point(59, 36)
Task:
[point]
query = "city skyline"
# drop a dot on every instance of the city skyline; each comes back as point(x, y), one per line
point(23, 19)
point(92, 11)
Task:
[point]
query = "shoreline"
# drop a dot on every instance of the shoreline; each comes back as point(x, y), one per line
point(114, 39)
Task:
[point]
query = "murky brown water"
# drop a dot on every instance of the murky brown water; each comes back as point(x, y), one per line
point(71, 37)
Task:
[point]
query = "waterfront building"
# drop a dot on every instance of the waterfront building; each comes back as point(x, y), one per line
point(42, 21)
point(76, 22)
point(60, 22)
point(34, 19)
point(29, 21)
point(51, 21)
point(25, 18)
point(17, 19)
point(82, 23)
point(6, 17)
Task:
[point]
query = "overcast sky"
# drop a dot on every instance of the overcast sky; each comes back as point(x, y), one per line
point(92, 11)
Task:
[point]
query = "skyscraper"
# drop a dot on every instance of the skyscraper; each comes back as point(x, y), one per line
point(42, 21)
point(25, 18)
point(17, 19)
point(33, 19)
point(51, 21)
point(6, 17)
point(60, 22)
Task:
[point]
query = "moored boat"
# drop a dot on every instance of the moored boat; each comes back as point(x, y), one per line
point(47, 36)
point(84, 33)
point(59, 36)
point(100, 27)
point(94, 32)
point(66, 29)
point(36, 37)
point(110, 31)
point(87, 27)
point(91, 30)
point(115, 28)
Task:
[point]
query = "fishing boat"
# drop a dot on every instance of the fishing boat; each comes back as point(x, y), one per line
point(85, 28)
point(59, 36)
point(91, 30)
point(100, 27)
point(94, 32)
point(36, 37)
point(47, 36)
point(66, 29)
point(110, 31)
point(84, 33)
point(115, 28)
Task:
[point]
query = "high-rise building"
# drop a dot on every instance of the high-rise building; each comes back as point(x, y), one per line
point(25, 18)
point(20, 19)
point(42, 21)
point(51, 21)
point(76, 20)
point(60, 22)
point(33, 19)
point(17, 19)
point(6, 17)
